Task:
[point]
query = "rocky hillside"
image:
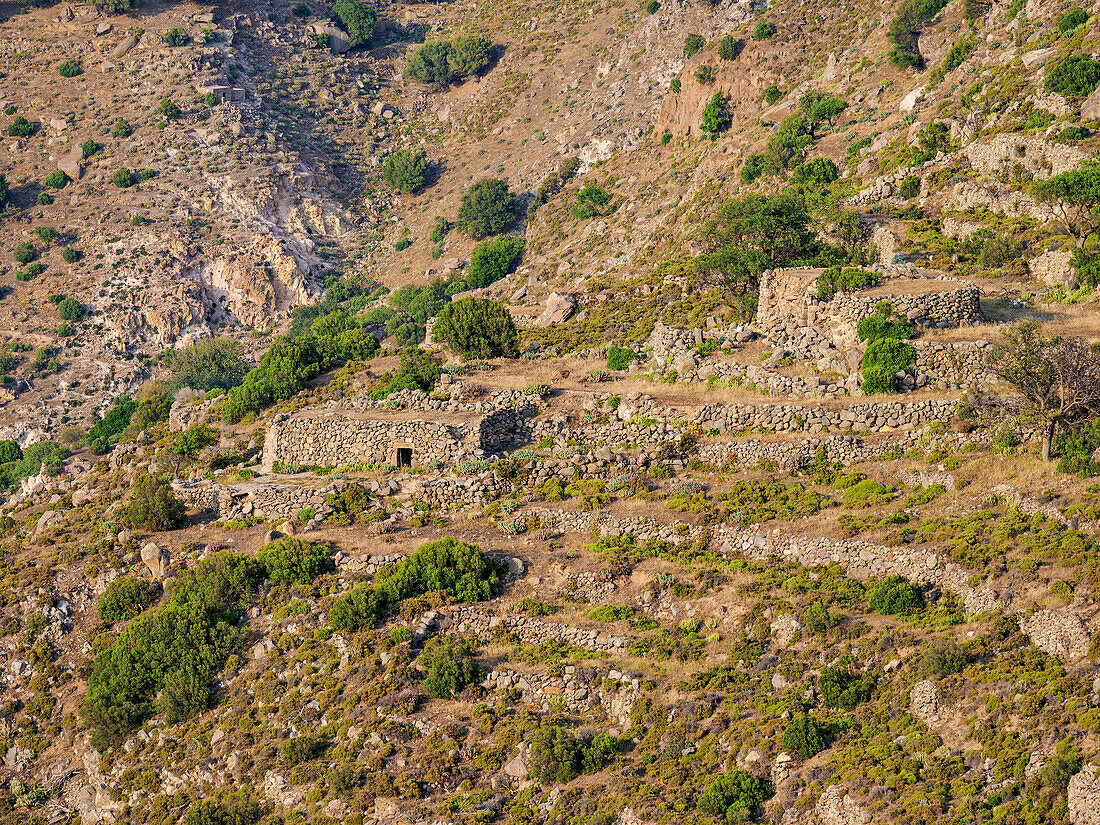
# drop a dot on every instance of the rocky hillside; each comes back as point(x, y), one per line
point(550, 412)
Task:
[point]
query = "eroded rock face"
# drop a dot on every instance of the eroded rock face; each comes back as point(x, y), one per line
point(833, 808)
point(924, 701)
point(1084, 797)
point(1060, 634)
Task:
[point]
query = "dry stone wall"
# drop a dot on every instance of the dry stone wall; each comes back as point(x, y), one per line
point(866, 417)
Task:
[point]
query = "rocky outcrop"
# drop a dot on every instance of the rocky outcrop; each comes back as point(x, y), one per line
point(1083, 797)
point(836, 807)
point(924, 701)
point(560, 307)
point(155, 559)
point(1058, 633)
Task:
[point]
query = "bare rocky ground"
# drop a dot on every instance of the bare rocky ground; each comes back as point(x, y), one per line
point(744, 568)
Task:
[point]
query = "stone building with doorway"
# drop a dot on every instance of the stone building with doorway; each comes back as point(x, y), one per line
point(403, 438)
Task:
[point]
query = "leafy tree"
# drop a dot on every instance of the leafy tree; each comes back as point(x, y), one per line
point(478, 328)
point(418, 370)
point(491, 260)
point(773, 94)
point(406, 170)
point(1077, 75)
point(421, 302)
point(357, 19)
point(840, 688)
point(153, 506)
point(1075, 197)
point(693, 44)
point(154, 404)
point(1057, 377)
point(125, 598)
point(895, 596)
point(358, 609)
point(734, 795)
point(805, 736)
point(729, 47)
point(716, 116)
point(555, 754)
point(293, 561)
point(820, 107)
point(816, 172)
point(448, 667)
point(790, 142)
point(488, 208)
point(207, 364)
point(835, 279)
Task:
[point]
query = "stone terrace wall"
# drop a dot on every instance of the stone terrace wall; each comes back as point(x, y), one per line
point(867, 417)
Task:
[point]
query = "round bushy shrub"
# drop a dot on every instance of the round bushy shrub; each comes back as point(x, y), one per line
point(9, 451)
point(883, 359)
point(448, 667)
point(70, 255)
point(729, 47)
point(357, 19)
point(840, 688)
point(764, 31)
point(21, 127)
point(56, 180)
point(70, 68)
point(488, 208)
point(896, 596)
point(693, 44)
point(46, 234)
point(123, 178)
point(293, 561)
point(619, 358)
point(70, 309)
point(772, 95)
point(153, 506)
point(406, 170)
point(24, 252)
point(910, 187)
point(652, 6)
point(805, 737)
point(734, 795)
point(492, 260)
point(125, 598)
point(1076, 76)
point(120, 129)
point(478, 328)
point(1073, 18)
point(176, 36)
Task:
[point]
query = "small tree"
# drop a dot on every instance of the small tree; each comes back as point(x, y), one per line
point(764, 31)
point(488, 208)
point(716, 116)
point(9, 451)
point(693, 44)
point(120, 129)
point(123, 178)
point(478, 328)
point(1075, 198)
point(729, 47)
point(470, 53)
point(210, 363)
point(21, 127)
point(358, 20)
point(448, 667)
point(406, 170)
point(192, 441)
point(805, 736)
point(1058, 378)
point(24, 252)
point(153, 506)
point(70, 68)
point(493, 259)
point(431, 63)
point(168, 109)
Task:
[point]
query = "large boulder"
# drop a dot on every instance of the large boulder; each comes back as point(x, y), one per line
point(1090, 109)
point(155, 559)
point(72, 164)
point(1083, 797)
point(560, 307)
point(337, 37)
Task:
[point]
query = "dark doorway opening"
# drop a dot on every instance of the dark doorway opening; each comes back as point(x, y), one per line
point(404, 456)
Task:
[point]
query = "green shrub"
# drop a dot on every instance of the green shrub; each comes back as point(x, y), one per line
point(610, 613)
point(458, 569)
point(895, 596)
point(705, 74)
point(9, 452)
point(70, 68)
point(357, 19)
point(817, 619)
point(24, 252)
point(164, 660)
point(293, 561)
point(121, 129)
point(358, 609)
point(764, 31)
point(836, 279)
point(819, 107)
point(448, 666)
point(716, 116)
point(123, 178)
point(418, 370)
point(882, 360)
point(298, 750)
point(470, 53)
point(840, 688)
point(591, 201)
point(70, 309)
point(300, 10)
point(904, 31)
point(125, 598)
point(817, 172)
point(176, 36)
point(557, 756)
point(209, 363)
point(406, 170)
point(70, 255)
point(619, 358)
point(1077, 75)
point(431, 63)
point(693, 44)
point(478, 328)
point(488, 208)
point(46, 234)
point(153, 505)
point(168, 110)
point(1073, 18)
point(885, 323)
point(804, 736)
point(772, 95)
point(652, 6)
point(734, 796)
point(113, 6)
point(42, 456)
point(21, 127)
point(910, 187)
point(729, 47)
point(491, 260)
point(943, 658)
point(867, 493)
point(958, 53)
